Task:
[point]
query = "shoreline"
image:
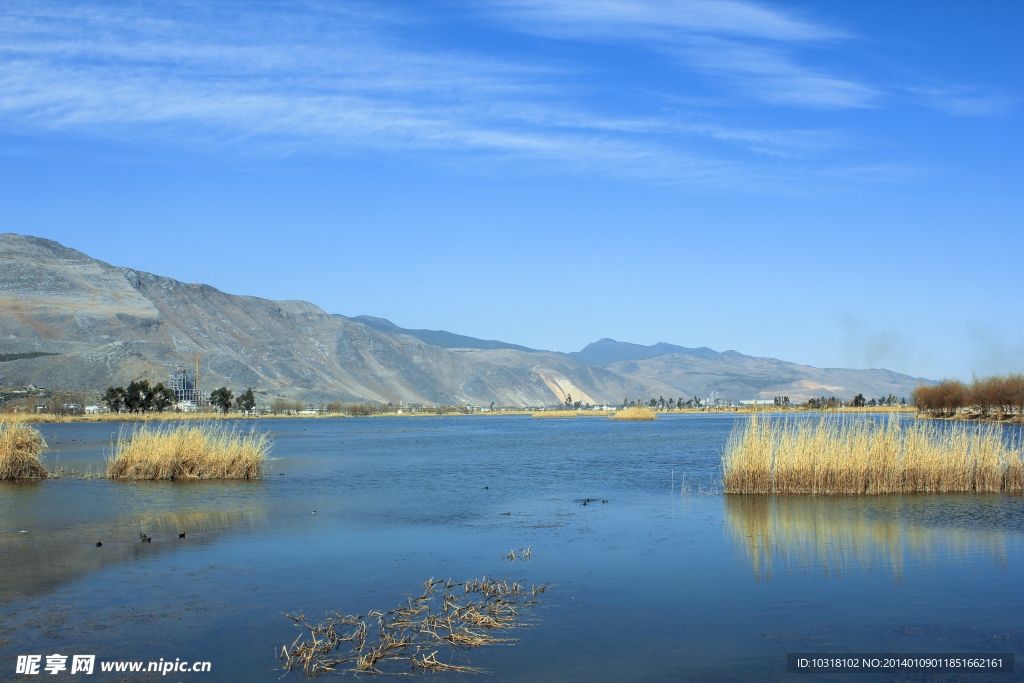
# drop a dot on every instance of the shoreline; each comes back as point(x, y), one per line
point(211, 416)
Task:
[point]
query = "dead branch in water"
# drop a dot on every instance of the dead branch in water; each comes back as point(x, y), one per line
point(441, 616)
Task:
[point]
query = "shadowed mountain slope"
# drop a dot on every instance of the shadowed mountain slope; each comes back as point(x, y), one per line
point(607, 351)
point(445, 340)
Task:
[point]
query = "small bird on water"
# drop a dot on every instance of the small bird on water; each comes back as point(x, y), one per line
point(181, 535)
point(314, 512)
point(143, 538)
point(99, 543)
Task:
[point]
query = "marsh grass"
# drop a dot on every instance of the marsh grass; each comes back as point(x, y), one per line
point(21, 446)
point(187, 451)
point(836, 455)
point(636, 413)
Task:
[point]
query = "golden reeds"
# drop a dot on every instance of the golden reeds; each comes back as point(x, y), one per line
point(834, 455)
point(637, 413)
point(20, 449)
point(442, 616)
point(187, 451)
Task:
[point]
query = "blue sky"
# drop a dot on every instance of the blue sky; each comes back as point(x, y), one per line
point(837, 184)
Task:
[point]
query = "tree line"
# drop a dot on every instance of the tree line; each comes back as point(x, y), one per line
point(140, 397)
point(984, 395)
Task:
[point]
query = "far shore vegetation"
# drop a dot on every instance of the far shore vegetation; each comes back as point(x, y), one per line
point(985, 398)
point(634, 413)
point(838, 455)
point(187, 451)
point(989, 398)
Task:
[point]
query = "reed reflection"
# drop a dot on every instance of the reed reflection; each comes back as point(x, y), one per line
point(837, 537)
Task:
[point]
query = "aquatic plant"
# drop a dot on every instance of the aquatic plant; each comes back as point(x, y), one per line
point(187, 451)
point(20, 448)
point(637, 413)
point(442, 617)
point(834, 455)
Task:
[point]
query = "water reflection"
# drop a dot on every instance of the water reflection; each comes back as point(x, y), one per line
point(841, 536)
point(33, 562)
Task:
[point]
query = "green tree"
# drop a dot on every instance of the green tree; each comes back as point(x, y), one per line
point(138, 396)
point(568, 401)
point(246, 402)
point(115, 398)
point(222, 398)
point(161, 398)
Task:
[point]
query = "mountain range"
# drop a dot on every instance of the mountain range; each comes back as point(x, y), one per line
point(106, 325)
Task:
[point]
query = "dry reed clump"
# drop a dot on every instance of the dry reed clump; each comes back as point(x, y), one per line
point(441, 617)
point(845, 456)
point(20, 449)
point(636, 413)
point(187, 451)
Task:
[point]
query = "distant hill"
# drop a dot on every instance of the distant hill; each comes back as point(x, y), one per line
point(731, 374)
point(445, 340)
point(607, 351)
point(71, 322)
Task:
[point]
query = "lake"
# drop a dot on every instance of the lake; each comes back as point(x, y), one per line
point(668, 580)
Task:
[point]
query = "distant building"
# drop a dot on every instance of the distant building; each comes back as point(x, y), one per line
point(186, 395)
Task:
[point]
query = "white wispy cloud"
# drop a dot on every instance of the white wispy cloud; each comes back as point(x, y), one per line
point(960, 100)
point(342, 78)
point(749, 47)
point(659, 19)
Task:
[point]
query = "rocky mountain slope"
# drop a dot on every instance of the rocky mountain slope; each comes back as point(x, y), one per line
point(108, 325)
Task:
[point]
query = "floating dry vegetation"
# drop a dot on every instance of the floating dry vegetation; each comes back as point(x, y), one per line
point(833, 455)
point(523, 554)
point(20, 449)
point(637, 413)
point(454, 616)
point(187, 451)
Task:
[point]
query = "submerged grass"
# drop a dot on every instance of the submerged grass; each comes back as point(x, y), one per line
point(187, 451)
point(20, 449)
point(637, 413)
point(842, 456)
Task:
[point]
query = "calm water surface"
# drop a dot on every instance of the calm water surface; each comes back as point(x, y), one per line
point(667, 581)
